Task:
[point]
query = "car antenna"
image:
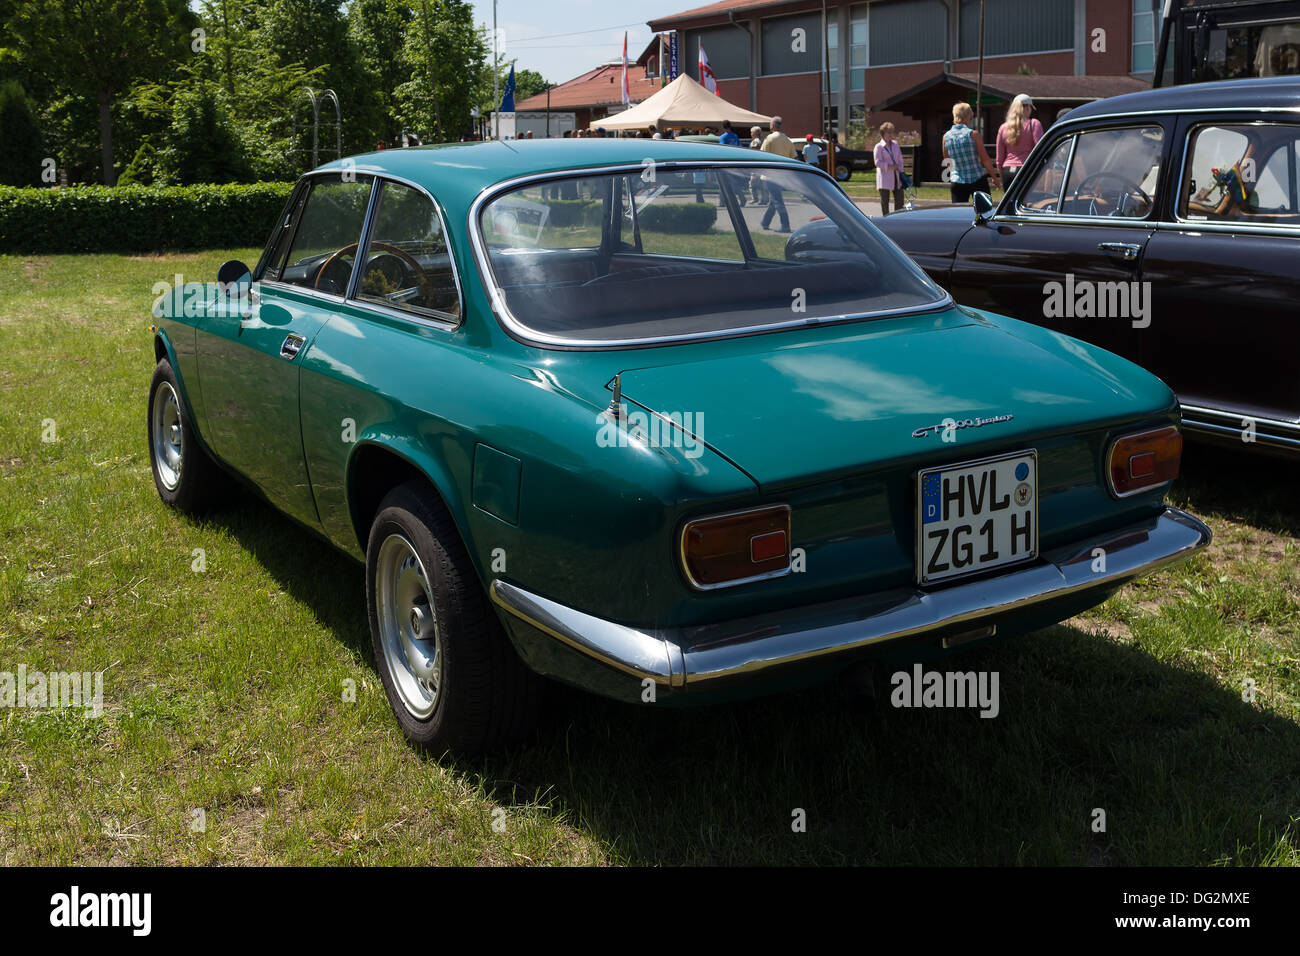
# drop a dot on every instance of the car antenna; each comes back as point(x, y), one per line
point(616, 403)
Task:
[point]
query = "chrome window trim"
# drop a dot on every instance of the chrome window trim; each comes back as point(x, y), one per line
point(1246, 226)
point(517, 330)
point(765, 576)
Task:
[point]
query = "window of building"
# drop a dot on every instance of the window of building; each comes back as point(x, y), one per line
point(1016, 27)
point(858, 47)
point(1144, 36)
point(833, 56)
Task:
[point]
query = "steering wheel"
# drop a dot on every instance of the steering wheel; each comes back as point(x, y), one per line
point(1128, 188)
point(335, 259)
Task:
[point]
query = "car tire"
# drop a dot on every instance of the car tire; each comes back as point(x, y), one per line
point(843, 173)
point(187, 479)
point(453, 680)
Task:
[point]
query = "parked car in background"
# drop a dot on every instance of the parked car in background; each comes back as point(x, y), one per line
point(847, 161)
point(1163, 226)
point(579, 424)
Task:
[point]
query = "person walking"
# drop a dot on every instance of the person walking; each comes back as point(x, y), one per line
point(963, 146)
point(889, 169)
point(778, 144)
point(1016, 137)
point(812, 153)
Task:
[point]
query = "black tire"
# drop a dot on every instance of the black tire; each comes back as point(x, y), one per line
point(198, 483)
point(485, 696)
point(843, 173)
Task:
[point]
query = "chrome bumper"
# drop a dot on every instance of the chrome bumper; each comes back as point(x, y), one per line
point(747, 647)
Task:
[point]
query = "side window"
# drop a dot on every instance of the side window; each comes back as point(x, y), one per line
point(1114, 172)
point(562, 215)
point(1245, 173)
point(408, 263)
point(1043, 195)
point(277, 246)
point(323, 246)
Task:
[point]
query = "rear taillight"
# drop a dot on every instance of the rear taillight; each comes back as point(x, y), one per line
point(736, 547)
point(1145, 460)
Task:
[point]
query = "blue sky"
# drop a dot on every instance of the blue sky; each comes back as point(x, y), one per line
point(563, 38)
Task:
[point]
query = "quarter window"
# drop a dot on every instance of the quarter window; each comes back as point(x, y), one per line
point(408, 262)
point(1244, 173)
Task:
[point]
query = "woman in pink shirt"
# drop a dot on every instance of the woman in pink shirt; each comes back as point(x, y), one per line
point(889, 168)
point(1016, 137)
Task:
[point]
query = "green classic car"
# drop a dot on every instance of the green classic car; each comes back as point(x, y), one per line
point(587, 414)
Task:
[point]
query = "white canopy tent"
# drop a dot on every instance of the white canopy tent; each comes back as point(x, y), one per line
point(683, 102)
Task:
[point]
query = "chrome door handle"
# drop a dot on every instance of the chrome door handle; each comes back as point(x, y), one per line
point(1128, 251)
point(293, 342)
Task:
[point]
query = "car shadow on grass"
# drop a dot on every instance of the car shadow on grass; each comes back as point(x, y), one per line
point(1100, 753)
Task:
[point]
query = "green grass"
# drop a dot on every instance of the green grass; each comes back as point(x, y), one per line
point(224, 688)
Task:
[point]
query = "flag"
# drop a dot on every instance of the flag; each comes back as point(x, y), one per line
point(707, 79)
point(626, 97)
point(508, 98)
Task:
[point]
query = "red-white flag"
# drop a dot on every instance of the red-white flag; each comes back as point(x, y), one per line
point(626, 96)
point(707, 79)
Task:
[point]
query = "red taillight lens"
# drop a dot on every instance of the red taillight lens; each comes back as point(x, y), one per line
point(737, 547)
point(1145, 460)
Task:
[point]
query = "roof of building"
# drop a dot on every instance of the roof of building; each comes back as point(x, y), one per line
point(602, 86)
point(721, 8)
point(1045, 88)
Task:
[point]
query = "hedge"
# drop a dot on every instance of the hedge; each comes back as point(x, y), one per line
point(138, 218)
point(678, 217)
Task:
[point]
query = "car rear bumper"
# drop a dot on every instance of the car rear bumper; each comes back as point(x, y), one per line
point(707, 657)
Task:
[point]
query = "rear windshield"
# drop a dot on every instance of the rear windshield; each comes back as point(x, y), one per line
point(667, 252)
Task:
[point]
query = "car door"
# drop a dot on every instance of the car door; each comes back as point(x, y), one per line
point(1065, 248)
point(1222, 271)
point(248, 364)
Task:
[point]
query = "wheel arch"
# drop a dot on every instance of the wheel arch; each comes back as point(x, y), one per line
point(376, 468)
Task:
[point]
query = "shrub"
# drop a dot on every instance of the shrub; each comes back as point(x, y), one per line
point(21, 152)
point(138, 218)
point(678, 217)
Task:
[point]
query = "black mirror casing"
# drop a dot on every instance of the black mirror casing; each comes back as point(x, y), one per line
point(984, 206)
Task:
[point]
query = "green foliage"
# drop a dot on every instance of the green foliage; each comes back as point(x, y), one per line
point(529, 83)
point(682, 217)
point(202, 143)
point(98, 50)
point(21, 150)
point(137, 218)
point(444, 55)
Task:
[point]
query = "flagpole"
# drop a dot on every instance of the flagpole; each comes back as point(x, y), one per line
point(496, 66)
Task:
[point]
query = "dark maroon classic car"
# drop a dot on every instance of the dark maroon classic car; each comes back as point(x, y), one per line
point(1163, 226)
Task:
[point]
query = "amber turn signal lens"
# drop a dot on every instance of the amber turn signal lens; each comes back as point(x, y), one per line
point(1145, 460)
point(737, 547)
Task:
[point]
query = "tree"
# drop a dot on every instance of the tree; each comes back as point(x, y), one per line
point(99, 48)
point(529, 83)
point(21, 154)
point(446, 57)
point(378, 28)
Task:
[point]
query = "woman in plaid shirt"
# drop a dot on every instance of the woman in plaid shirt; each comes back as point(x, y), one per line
point(968, 156)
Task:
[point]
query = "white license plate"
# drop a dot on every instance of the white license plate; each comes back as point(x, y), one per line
point(976, 515)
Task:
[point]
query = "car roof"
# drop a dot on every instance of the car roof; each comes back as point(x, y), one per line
point(1273, 93)
point(457, 172)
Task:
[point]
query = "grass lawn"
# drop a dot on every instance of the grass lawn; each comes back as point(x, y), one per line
point(224, 687)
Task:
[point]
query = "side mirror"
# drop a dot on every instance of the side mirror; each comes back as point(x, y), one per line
point(984, 207)
point(234, 275)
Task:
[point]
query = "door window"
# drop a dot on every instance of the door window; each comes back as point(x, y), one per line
point(1115, 172)
point(408, 262)
point(320, 251)
point(1243, 173)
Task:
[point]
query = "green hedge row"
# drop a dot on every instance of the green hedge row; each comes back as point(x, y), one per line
point(678, 217)
point(138, 218)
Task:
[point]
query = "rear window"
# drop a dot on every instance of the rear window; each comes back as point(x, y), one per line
point(668, 252)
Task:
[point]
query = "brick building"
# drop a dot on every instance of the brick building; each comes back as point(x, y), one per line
point(768, 55)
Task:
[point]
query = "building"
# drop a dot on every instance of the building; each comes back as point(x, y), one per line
point(595, 94)
point(897, 59)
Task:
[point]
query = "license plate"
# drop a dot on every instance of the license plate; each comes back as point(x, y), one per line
point(976, 515)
